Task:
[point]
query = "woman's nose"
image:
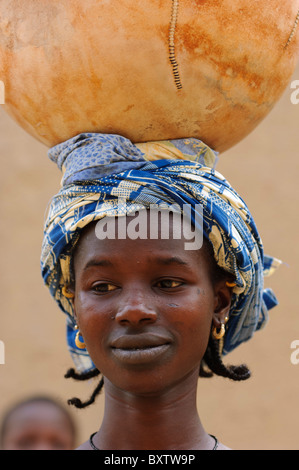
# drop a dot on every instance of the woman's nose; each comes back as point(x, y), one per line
point(135, 310)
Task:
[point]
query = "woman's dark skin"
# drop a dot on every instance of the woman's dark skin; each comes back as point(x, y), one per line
point(145, 310)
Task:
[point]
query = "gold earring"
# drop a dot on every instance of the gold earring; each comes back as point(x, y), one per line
point(67, 293)
point(231, 284)
point(221, 333)
point(80, 344)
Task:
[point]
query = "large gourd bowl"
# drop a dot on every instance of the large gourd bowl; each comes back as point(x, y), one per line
point(147, 70)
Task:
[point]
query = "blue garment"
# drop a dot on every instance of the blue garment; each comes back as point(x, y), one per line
point(227, 222)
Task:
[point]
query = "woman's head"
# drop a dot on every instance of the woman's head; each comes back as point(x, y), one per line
point(145, 307)
point(100, 172)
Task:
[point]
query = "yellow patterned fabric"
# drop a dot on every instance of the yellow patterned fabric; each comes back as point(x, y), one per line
point(189, 149)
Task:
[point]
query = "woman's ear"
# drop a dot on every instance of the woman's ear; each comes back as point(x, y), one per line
point(223, 299)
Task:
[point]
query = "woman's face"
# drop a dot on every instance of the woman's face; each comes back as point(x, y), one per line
point(144, 309)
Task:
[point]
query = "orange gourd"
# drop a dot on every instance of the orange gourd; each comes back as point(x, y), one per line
point(148, 70)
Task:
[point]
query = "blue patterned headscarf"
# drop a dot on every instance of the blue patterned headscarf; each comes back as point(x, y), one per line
point(99, 169)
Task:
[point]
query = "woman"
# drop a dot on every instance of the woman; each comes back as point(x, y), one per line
point(147, 313)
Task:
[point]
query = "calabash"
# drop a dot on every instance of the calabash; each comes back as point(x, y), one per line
point(147, 70)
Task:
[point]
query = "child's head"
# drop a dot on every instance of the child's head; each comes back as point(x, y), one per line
point(38, 423)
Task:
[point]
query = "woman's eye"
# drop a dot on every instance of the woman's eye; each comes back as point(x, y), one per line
point(103, 288)
point(169, 284)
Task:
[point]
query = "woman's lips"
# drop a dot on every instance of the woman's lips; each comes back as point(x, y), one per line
point(139, 341)
point(140, 348)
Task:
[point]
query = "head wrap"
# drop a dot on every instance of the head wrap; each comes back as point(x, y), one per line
point(101, 169)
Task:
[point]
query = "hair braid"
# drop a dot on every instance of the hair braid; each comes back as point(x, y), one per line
point(213, 360)
point(71, 373)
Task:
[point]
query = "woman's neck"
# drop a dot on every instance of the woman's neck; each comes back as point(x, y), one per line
point(165, 421)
